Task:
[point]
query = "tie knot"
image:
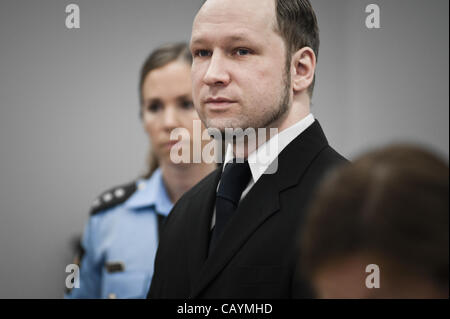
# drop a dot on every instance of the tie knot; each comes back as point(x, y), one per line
point(235, 178)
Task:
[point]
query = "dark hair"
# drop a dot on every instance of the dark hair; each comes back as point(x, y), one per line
point(159, 58)
point(297, 25)
point(392, 203)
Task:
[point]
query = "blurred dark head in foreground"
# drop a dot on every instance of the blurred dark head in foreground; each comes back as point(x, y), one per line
point(390, 208)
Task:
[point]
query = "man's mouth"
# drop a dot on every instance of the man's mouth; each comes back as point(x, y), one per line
point(219, 103)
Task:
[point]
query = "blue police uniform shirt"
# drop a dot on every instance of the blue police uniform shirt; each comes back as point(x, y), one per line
point(120, 244)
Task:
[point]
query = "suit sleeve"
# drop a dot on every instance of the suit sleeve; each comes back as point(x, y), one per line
point(301, 288)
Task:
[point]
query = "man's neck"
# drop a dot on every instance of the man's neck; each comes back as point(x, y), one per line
point(299, 109)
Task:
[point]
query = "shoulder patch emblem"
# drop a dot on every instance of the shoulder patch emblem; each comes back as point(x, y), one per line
point(113, 197)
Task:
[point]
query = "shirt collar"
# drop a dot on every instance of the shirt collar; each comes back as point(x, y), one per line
point(261, 159)
point(151, 192)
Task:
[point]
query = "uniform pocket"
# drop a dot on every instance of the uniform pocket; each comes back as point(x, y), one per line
point(123, 285)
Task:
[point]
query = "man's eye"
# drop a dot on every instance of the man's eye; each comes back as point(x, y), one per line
point(202, 53)
point(242, 52)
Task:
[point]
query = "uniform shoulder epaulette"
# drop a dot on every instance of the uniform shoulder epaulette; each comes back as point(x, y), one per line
point(113, 197)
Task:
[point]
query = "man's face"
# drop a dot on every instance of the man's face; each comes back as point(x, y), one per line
point(239, 74)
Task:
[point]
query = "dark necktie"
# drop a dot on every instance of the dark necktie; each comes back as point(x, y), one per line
point(234, 180)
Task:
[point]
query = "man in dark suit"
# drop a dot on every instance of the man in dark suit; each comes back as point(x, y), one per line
point(234, 234)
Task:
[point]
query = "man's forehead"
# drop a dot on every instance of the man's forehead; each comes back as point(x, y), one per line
point(237, 35)
point(258, 14)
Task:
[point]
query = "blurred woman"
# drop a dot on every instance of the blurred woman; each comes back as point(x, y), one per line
point(121, 237)
point(379, 228)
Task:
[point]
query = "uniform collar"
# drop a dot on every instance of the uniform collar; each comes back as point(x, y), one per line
point(151, 192)
point(270, 150)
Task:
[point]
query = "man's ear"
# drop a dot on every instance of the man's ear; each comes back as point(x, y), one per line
point(303, 68)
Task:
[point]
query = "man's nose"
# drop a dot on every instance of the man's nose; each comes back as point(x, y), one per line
point(217, 74)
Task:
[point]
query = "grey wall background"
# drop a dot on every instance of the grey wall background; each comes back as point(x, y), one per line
point(69, 125)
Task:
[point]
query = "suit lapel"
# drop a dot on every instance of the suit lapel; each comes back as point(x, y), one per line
point(199, 223)
point(259, 205)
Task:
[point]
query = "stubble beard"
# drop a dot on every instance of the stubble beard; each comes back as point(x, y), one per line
point(268, 120)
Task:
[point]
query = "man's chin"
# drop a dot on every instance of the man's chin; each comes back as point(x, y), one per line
point(222, 124)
